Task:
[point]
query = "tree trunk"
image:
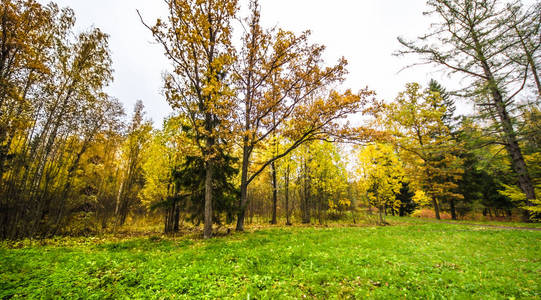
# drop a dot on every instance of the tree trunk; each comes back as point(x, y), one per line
point(320, 208)
point(243, 188)
point(4, 148)
point(167, 219)
point(274, 193)
point(453, 210)
point(288, 221)
point(172, 218)
point(306, 196)
point(207, 232)
point(436, 208)
point(510, 138)
point(517, 159)
point(176, 218)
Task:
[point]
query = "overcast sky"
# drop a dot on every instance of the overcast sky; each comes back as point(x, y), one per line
point(363, 31)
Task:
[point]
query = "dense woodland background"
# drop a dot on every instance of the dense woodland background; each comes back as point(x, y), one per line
point(262, 130)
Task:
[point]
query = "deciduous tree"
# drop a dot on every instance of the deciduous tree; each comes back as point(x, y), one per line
point(380, 176)
point(196, 38)
point(415, 122)
point(286, 90)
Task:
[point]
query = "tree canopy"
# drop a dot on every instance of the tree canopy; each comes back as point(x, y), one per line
point(263, 127)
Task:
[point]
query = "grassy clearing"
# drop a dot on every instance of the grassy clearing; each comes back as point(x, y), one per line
point(423, 260)
point(402, 220)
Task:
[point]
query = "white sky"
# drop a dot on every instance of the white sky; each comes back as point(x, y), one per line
point(363, 31)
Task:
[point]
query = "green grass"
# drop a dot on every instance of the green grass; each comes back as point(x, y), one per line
point(423, 260)
point(476, 222)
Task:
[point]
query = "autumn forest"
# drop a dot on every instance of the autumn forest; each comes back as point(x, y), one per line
point(264, 135)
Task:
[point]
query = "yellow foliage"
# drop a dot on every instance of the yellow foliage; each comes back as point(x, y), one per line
point(421, 198)
point(380, 174)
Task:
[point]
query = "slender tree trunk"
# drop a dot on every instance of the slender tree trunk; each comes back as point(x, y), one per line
point(4, 149)
point(117, 205)
point(306, 195)
point(243, 187)
point(242, 209)
point(288, 221)
point(436, 208)
point(207, 232)
point(453, 209)
point(172, 218)
point(176, 217)
point(320, 208)
point(274, 194)
point(167, 220)
point(69, 180)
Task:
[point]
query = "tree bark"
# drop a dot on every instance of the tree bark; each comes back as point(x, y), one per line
point(243, 187)
point(288, 221)
point(209, 169)
point(513, 148)
point(380, 211)
point(320, 208)
point(436, 208)
point(176, 217)
point(306, 196)
point(274, 194)
point(453, 210)
point(510, 138)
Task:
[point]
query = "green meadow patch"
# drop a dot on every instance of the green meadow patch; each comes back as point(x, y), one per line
point(421, 260)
